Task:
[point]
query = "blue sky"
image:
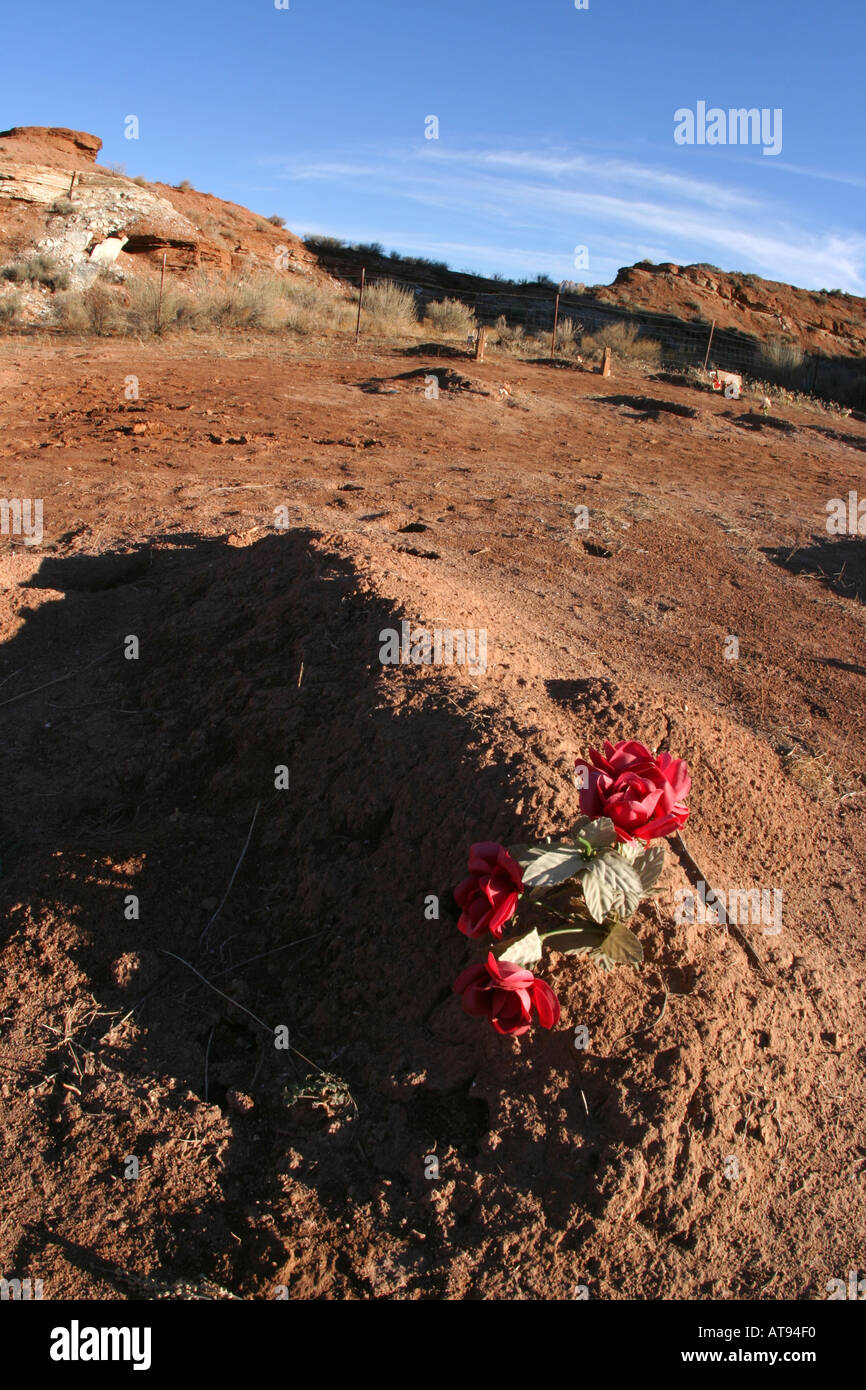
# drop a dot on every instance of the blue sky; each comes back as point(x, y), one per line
point(556, 125)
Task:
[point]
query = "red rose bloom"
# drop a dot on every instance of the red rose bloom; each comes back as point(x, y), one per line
point(641, 794)
point(488, 897)
point(507, 995)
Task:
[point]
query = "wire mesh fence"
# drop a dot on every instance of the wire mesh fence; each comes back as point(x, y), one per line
point(533, 312)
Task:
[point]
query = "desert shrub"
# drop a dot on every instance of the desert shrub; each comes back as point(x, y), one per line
point(510, 337)
point(567, 337)
point(451, 316)
point(40, 269)
point(62, 207)
point(624, 340)
point(390, 307)
point(252, 303)
point(781, 356)
point(140, 180)
point(310, 308)
point(70, 313)
point(277, 221)
point(115, 168)
point(184, 186)
point(322, 244)
point(104, 311)
point(10, 309)
point(369, 248)
point(96, 311)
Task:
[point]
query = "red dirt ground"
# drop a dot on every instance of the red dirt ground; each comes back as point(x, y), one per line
point(608, 1167)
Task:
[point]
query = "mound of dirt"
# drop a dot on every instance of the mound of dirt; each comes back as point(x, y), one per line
point(245, 827)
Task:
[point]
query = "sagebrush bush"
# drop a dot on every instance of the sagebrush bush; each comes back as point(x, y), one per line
point(451, 316)
point(390, 307)
point(277, 221)
point(62, 207)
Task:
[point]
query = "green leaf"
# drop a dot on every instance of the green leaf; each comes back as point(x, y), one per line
point(526, 950)
point(544, 865)
point(611, 884)
point(648, 867)
point(600, 833)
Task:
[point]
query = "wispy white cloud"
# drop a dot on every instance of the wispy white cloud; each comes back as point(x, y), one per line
point(558, 201)
point(610, 171)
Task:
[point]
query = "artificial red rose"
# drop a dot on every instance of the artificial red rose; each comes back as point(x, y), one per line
point(488, 897)
point(506, 994)
point(641, 794)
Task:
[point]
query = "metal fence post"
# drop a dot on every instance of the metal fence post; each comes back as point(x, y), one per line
point(161, 284)
point(360, 302)
point(555, 325)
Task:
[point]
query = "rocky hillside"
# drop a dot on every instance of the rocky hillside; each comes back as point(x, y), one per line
point(826, 321)
point(89, 221)
point(56, 201)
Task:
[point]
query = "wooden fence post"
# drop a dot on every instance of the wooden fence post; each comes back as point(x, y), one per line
point(605, 362)
point(709, 344)
point(481, 342)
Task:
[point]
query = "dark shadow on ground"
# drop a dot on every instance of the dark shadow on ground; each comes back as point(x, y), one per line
point(648, 408)
point(839, 562)
point(161, 777)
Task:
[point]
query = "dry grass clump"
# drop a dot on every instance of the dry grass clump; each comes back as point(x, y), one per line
point(511, 337)
point(40, 269)
point(779, 360)
point(451, 317)
point(310, 308)
point(623, 339)
point(568, 338)
point(266, 303)
point(10, 310)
